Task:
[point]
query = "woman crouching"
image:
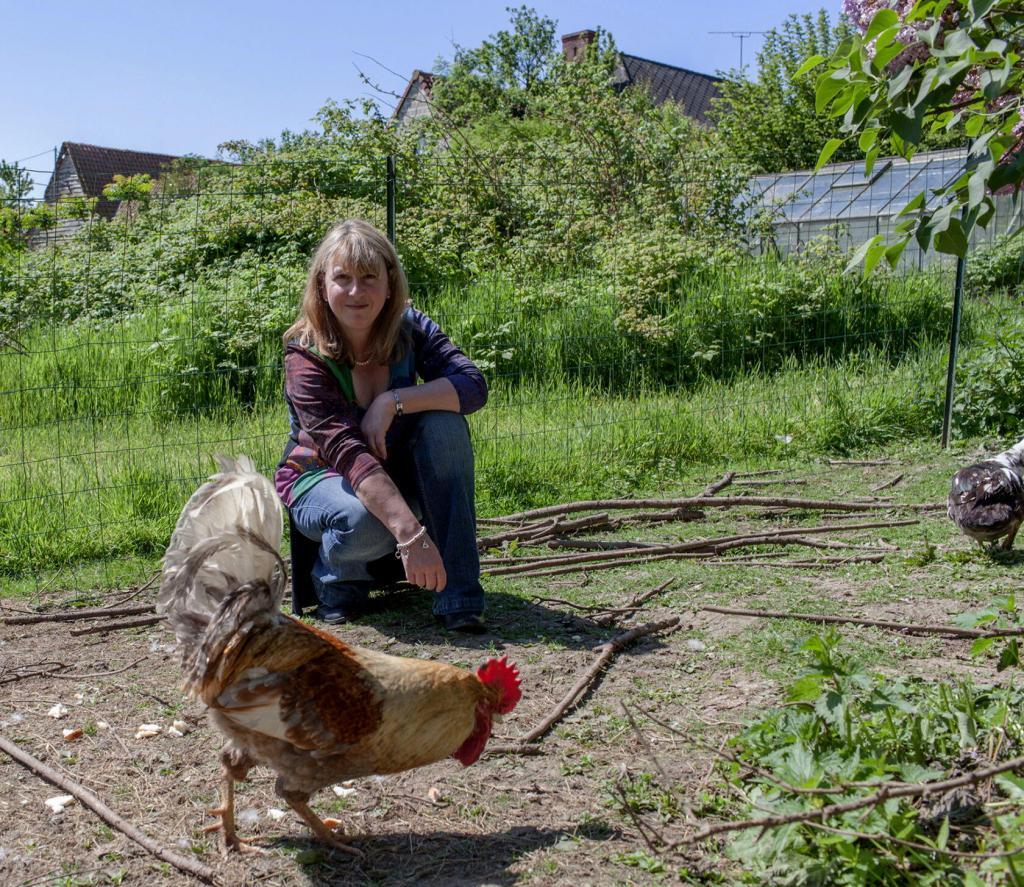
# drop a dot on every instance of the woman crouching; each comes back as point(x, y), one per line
point(378, 460)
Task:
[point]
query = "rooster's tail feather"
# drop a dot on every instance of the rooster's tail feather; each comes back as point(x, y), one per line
point(225, 544)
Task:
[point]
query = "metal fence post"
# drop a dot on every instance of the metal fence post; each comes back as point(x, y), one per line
point(391, 198)
point(954, 344)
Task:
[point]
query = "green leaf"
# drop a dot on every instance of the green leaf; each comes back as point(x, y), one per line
point(980, 645)
point(869, 253)
point(893, 253)
point(867, 139)
point(831, 146)
point(869, 160)
point(809, 65)
point(973, 125)
point(806, 689)
point(900, 81)
point(907, 126)
point(1010, 656)
point(828, 87)
point(952, 240)
point(886, 53)
point(976, 188)
point(943, 836)
point(884, 18)
point(980, 8)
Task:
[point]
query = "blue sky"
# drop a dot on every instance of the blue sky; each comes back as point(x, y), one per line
point(182, 77)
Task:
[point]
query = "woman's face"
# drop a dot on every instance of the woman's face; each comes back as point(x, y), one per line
point(356, 299)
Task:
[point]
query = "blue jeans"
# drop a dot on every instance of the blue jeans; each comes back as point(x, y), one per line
point(430, 459)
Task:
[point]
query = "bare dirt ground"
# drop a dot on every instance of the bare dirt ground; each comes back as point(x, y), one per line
point(550, 818)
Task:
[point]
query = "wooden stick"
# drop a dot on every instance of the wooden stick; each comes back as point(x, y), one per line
point(534, 532)
point(760, 473)
point(719, 484)
point(820, 564)
point(879, 797)
point(88, 799)
point(950, 630)
point(715, 502)
point(73, 615)
point(709, 545)
point(656, 517)
point(888, 483)
point(597, 544)
point(606, 651)
point(863, 462)
point(795, 482)
point(117, 626)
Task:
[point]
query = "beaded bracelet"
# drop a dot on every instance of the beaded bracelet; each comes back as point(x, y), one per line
point(403, 547)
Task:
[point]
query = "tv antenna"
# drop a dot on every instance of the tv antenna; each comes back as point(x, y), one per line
point(741, 35)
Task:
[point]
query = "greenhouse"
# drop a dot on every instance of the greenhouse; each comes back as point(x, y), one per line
point(840, 201)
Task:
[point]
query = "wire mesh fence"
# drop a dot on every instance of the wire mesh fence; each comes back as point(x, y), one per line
point(135, 347)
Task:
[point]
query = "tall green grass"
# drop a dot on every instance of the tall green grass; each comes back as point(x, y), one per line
point(96, 489)
point(106, 428)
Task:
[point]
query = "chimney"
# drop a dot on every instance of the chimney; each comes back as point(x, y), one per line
point(574, 46)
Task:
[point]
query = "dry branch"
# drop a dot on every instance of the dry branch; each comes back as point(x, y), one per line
point(88, 799)
point(863, 462)
point(889, 791)
point(909, 628)
point(606, 651)
point(716, 502)
point(719, 484)
point(707, 546)
point(887, 484)
point(74, 615)
point(819, 564)
point(117, 626)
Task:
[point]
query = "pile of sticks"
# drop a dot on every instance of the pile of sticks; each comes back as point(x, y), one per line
point(559, 527)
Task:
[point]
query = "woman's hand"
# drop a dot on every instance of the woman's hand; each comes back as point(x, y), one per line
point(377, 421)
point(423, 566)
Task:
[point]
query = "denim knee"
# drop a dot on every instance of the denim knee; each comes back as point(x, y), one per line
point(355, 535)
point(441, 441)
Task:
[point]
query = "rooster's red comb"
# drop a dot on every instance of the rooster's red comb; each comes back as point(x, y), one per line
point(505, 676)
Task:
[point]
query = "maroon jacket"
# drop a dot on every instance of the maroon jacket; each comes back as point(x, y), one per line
point(325, 436)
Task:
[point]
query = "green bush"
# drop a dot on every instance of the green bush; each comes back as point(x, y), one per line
point(998, 267)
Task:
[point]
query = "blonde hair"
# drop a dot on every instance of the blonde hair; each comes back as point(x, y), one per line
point(359, 247)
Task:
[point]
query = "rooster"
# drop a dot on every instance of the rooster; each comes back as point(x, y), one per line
point(298, 700)
point(986, 500)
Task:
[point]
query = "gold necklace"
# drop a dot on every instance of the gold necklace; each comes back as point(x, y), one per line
point(362, 363)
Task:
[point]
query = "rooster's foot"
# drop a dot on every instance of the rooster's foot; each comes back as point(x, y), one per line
point(231, 840)
point(322, 828)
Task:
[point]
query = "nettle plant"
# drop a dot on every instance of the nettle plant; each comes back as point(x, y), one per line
point(844, 735)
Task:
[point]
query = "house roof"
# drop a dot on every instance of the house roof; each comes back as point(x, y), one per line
point(96, 166)
point(425, 78)
point(691, 89)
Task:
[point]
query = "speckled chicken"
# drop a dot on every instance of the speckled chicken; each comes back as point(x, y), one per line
point(315, 710)
point(986, 500)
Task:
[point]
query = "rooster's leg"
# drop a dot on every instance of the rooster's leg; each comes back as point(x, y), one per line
point(226, 812)
point(318, 826)
point(1008, 541)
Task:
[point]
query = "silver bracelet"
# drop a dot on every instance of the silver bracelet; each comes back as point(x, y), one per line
point(403, 547)
point(399, 406)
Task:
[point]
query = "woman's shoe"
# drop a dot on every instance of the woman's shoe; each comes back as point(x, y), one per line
point(333, 615)
point(467, 623)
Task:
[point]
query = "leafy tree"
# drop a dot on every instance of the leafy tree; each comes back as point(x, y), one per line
point(926, 67)
point(771, 123)
point(15, 184)
point(501, 73)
